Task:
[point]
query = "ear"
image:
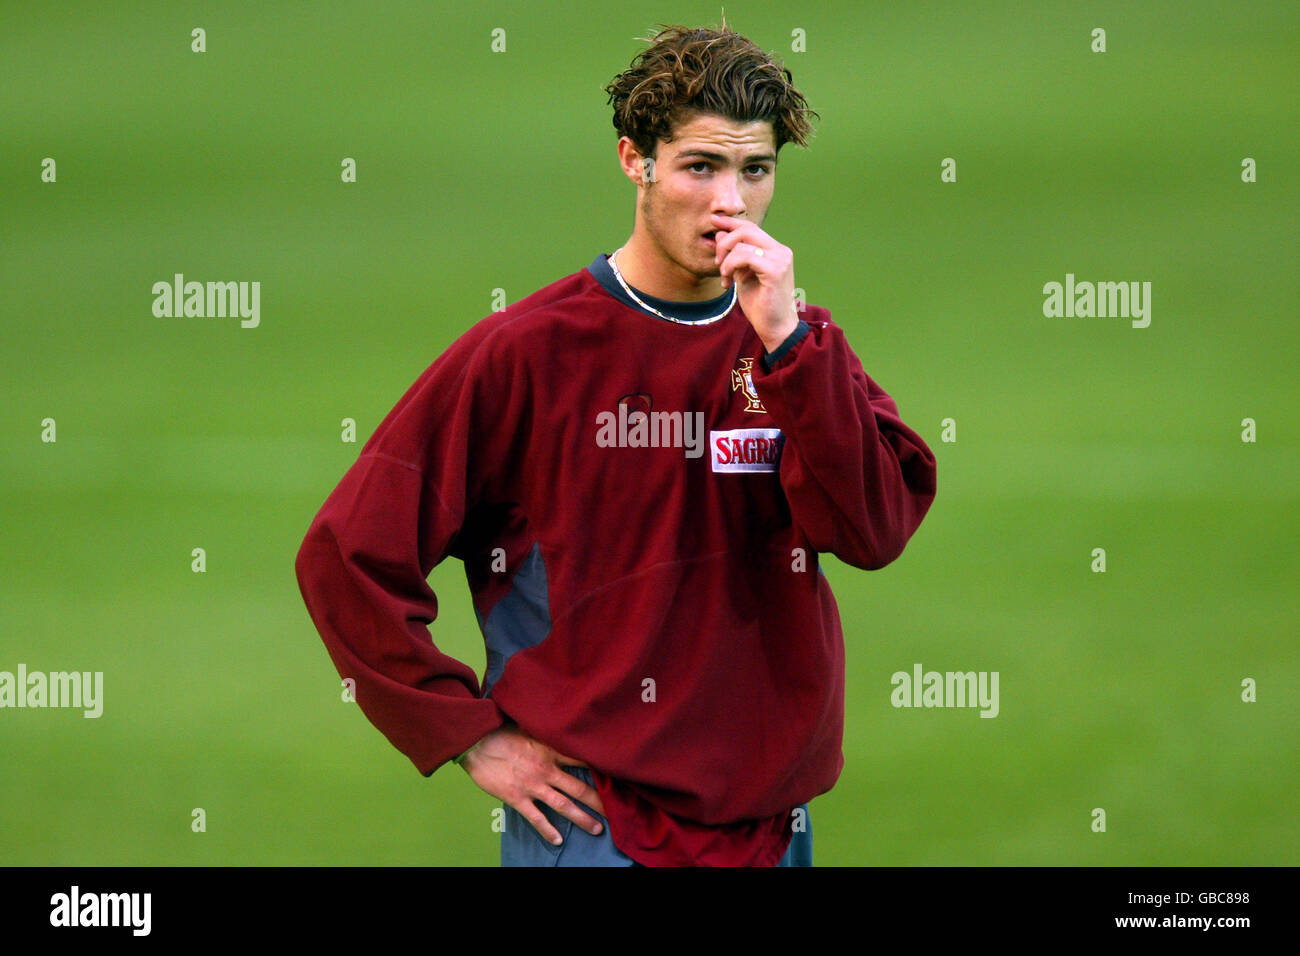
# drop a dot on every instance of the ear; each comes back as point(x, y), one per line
point(637, 168)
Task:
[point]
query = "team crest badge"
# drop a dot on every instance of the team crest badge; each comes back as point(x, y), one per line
point(743, 378)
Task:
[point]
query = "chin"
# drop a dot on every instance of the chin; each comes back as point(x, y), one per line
point(711, 268)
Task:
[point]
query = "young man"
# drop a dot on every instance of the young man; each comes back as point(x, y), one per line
point(638, 465)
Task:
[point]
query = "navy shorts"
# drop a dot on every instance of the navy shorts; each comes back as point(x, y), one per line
point(522, 845)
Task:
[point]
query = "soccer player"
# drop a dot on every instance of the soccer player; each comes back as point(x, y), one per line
point(639, 466)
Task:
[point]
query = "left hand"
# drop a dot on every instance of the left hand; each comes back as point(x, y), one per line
point(763, 271)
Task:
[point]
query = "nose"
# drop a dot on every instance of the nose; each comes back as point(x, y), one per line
point(726, 199)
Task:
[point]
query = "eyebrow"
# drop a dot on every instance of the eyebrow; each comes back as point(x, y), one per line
point(719, 158)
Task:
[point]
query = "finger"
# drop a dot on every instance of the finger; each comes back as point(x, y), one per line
point(566, 808)
point(728, 223)
point(741, 265)
point(579, 789)
point(528, 810)
point(732, 224)
point(727, 239)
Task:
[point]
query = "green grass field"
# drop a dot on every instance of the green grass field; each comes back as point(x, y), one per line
point(479, 170)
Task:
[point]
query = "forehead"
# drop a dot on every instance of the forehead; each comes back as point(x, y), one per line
point(708, 131)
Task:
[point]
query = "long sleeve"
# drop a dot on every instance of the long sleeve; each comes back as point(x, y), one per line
point(859, 481)
point(363, 566)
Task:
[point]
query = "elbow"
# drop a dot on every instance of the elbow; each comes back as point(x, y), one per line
point(870, 551)
point(313, 559)
point(873, 545)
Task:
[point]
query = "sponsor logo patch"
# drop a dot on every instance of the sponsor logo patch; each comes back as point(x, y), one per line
point(746, 449)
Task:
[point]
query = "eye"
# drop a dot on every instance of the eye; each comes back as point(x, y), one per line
point(701, 164)
point(762, 170)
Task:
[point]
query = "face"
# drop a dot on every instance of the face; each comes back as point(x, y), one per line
point(711, 165)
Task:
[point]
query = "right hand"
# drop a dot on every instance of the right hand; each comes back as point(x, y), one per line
point(516, 769)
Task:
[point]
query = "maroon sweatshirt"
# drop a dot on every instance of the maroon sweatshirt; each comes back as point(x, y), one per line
point(639, 505)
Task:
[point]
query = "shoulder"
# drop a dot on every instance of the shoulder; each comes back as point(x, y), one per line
point(568, 304)
point(575, 299)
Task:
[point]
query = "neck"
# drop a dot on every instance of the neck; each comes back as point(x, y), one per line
point(644, 267)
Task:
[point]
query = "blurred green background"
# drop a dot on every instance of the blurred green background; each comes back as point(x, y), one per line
point(479, 170)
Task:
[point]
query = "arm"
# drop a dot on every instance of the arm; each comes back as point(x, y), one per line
point(857, 478)
point(363, 565)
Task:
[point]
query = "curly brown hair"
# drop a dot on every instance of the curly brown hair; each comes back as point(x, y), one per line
point(687, 71)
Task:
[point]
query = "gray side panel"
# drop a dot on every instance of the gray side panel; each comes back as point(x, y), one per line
point(520, 620)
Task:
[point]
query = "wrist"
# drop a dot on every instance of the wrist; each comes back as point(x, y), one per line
point(460, 759)
point(773, 338)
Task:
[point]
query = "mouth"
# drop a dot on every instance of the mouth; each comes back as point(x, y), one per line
point(711, 238)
